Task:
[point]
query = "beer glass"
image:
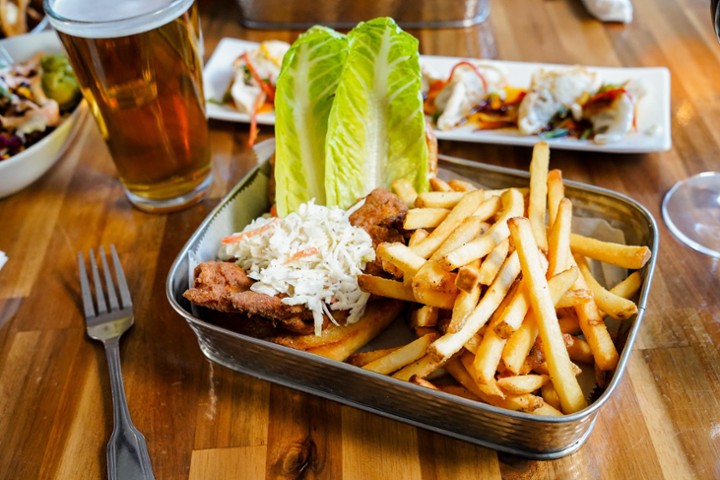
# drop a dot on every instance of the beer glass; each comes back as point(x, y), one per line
point(691, 208)
point(139, 66)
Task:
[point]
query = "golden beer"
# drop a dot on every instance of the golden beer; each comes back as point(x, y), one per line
point(144, 88)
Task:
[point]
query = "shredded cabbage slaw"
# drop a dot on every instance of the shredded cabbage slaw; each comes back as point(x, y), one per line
point(312, 256)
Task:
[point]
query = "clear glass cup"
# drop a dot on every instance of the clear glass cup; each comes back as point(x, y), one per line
point(691, 208)
point(139, 65)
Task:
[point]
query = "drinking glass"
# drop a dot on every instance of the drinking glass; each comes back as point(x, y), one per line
point(691, 208)
point(139, 66)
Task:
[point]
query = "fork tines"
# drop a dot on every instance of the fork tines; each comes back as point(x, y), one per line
point(125, 300)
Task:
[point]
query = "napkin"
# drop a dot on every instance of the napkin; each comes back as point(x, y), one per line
point(3, 259)
point(610, 10)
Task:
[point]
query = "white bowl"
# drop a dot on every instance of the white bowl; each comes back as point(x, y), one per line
point(19, 171)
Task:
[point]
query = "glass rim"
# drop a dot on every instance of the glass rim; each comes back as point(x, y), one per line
point(128, 25)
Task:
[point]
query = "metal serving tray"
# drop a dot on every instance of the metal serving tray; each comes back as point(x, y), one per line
point(519, 433)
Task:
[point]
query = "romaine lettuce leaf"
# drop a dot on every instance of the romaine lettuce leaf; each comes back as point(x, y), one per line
point(305, 90)
point(376, 130)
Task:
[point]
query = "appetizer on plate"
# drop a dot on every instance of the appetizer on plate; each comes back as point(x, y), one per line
point(567, 102)
point(35, 95)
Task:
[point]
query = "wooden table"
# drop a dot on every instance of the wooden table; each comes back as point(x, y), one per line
point(203, 421)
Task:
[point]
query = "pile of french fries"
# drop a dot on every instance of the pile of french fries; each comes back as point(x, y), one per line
point(505, 302)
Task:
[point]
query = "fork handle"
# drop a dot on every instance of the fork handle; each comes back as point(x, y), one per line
point(127, 452)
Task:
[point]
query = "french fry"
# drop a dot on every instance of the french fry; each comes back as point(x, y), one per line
point(492, 263)
point(422, 367)
point(489, 207)
point(569, 322)
point(423, 383)
point(616, 306)
point(464, 208)
point(537, 205)
point(362, 358)
point(450, 343)
point(458, 390)
point(439, 185)
point(385, 287)
point(513, 205)
point(629, 286)
point(470, 228)
point(558, 360)
point(467, 277)
point(425, 316)
point(339, 342)
point(434, 286)
point(405, 190)
point(632, 257)
point(519, 344)
point(574, 297)
point(520, 384)
point(559, 239)
point(465, 303)
point(402, 356)
point(438, 199)
point(417, 236)
point(548, 410)
point(550, 395)
point(578, 349)
point(461, 185)
point(416, 218)
point(556, 192)
point(401, 256)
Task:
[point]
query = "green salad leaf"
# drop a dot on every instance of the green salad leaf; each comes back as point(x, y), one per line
point(376, 131)
point(305, 90)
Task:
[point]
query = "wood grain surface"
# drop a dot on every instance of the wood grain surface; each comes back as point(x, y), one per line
point(205, 422)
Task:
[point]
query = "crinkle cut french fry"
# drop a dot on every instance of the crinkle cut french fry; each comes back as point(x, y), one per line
point(401, 357)
point(461, 185)
point(633, 257)
point(401, 256)
point(616, 306)
point(417, 218)
point(629, 286)
point(405, 191)
point(556, 192)
point(450, 343)
point(385, 287)
point(520, 384)
point(438, 199)
point(537, 205)
point(556, 356)
point(559, 239)
point(492, 263)
point(439, 185)
point(464, 208)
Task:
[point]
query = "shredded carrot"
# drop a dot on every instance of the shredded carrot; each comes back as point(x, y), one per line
point(302, 253)
point(252, 136)
point(236, 237)
point(266, 86)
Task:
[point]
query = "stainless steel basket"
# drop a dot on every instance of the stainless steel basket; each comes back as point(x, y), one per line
point(300, 14)
point(519, 433)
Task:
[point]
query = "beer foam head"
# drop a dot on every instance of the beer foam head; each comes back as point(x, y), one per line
point(112, 18)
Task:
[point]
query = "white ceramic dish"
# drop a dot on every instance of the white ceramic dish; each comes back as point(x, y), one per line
point(653, 116)
point(19, 171)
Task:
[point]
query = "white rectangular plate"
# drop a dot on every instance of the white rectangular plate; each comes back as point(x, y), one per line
point(653, 115)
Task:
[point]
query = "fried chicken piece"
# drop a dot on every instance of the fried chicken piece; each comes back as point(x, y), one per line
point(225, 287)
point(382, 217)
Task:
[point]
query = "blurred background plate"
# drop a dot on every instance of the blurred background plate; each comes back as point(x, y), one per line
point(19, 171)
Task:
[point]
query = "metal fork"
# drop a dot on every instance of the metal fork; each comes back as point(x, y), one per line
point(127, 452)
